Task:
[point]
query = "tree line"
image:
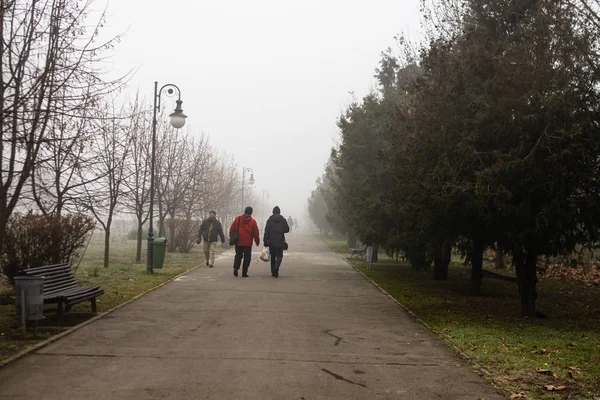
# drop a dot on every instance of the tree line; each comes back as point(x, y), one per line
point(485, 136)
point(75, 154)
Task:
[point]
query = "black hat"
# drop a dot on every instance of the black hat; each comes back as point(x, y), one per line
point(248, 210)
point(213, 212)
point(276, 210)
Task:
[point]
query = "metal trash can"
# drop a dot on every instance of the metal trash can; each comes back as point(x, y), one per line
point(29, 295)
point(159, 249)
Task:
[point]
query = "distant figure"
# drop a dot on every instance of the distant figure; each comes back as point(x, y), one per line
point(247, 230)
point(290, 222)
point(296, 223)
point(274, 239)
point(210, 231)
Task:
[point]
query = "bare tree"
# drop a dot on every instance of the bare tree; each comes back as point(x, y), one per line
point(48, 67)
point(57, 181)
point(172, 172)
point(137, 182)
point(112, 145)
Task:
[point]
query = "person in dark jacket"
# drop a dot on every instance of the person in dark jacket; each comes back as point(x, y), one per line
point(248, 231)
point(274, 239)
point(210, 231)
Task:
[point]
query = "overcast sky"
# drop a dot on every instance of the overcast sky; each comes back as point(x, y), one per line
point(265, 79)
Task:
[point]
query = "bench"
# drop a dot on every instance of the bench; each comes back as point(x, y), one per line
point(60, 287)
point(358, 252)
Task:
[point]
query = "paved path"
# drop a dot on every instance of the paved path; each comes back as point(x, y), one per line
point(320, 331)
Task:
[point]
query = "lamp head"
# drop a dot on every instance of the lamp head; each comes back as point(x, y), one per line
point(178, 117)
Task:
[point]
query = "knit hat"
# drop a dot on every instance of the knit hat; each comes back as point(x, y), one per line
point(248, 210)
point(212, 212)
point(276, 210)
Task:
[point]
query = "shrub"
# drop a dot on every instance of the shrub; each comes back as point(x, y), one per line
point(182, 234)
point(33, 240)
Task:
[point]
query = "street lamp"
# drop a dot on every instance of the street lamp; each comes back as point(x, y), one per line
point(177, 121)
point(250, 181)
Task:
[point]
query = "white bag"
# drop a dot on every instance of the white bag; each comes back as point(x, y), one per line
point(265, 255)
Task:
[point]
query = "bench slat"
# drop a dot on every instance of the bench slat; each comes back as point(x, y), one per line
point(84, 296)
point(74, 291)
point(46, 269)
point(59, 289)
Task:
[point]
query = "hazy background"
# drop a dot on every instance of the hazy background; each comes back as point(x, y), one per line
point(265, 79)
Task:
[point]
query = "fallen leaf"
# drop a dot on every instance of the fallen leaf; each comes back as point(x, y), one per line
point(552, 388)
point(521, 395)
point(546, 372)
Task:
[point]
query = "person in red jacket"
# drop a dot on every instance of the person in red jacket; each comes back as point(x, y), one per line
point(248, 231)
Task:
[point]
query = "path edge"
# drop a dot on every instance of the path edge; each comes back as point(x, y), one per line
point(482, 371)
point(72, 329)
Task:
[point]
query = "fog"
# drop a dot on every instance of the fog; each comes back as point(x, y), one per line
point(266, 80)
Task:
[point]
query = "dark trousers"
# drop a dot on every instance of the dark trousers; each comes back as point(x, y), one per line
point(276, 258)
point(245, 253)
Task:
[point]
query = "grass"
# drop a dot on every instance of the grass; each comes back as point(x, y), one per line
point(121, 281)
point(488, 329)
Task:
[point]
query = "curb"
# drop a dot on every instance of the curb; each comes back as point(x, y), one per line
point(476, 366)
point(72, 329)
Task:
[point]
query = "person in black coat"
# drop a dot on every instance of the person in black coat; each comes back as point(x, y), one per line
point(210, 231)
point(274, 238)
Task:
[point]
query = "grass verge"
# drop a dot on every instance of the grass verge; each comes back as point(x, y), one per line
point(553, 358)
point(121, 281)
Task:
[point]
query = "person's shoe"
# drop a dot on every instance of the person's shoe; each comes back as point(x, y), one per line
point(210, 266)
point(207, 263)
point(245, 276)
point(276, 275)
point(235, 272)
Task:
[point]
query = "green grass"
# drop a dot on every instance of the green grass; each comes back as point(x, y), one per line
point(121, 281)
point(489, 330)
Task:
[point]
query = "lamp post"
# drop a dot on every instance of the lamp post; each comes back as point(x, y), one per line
point(250, 181)
point(177, 121)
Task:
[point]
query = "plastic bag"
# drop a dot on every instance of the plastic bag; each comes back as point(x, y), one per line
point(265, 255)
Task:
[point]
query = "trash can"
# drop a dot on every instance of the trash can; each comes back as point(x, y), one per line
point(29, 295)
point(159, 248)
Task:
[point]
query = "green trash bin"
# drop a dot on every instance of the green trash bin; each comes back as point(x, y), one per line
point(159, 248)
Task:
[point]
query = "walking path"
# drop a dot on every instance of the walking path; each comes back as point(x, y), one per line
point(319, 331)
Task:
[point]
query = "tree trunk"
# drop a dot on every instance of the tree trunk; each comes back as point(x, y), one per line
point(375, 256)
point(441, 261)
point(500, 264)
point(173, 226)
point(527, 280)
point(476, 267)
point(106, 245)
point(138, 250)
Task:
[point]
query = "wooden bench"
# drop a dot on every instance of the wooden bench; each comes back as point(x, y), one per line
point(358, 252)
point(60, 287)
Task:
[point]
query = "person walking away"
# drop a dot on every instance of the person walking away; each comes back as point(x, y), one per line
point(247, 230)
point(274, 239)
point(210, 231)
point(290, 222)
point(296, 224)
